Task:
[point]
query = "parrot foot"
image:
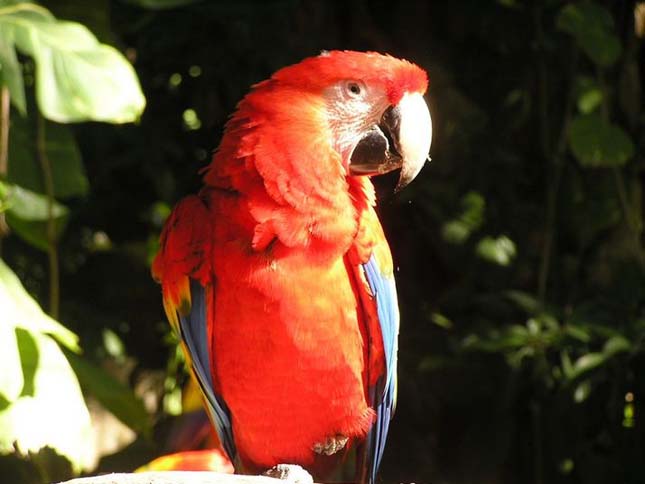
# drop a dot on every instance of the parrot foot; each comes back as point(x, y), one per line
point(291, 473)
point(331, 445)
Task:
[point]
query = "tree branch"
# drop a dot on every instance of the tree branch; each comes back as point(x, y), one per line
point(52, 248)
point(4, 148)
point(4, 130)
point(558, 162)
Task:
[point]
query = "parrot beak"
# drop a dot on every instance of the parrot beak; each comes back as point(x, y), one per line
point(400, 140)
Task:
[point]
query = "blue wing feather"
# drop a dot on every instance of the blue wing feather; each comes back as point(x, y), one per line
point(384, 392)
point(195, 336)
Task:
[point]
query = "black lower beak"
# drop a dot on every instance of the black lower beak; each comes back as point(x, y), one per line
point(378, 152)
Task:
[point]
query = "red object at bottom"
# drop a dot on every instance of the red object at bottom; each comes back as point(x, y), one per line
point(192, 460)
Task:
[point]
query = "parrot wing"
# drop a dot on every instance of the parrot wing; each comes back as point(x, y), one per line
point(194, 334)
point(183, 268)
point(377, 294)
point(383, 394)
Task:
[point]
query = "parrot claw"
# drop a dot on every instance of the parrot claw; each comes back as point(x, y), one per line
point(291, 473)
point(331, 445)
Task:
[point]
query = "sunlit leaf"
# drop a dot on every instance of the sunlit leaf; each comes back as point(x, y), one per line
point(11, 379)
point(533, 326)
point(456, 231)
point(589, 100)
point(77, 78)
point(615, 345)
point(500, 250)
point(113, 344)
point(31, 206)
point(582, 391)
point(587, 363)
point(11, 73)
point(38, 418)
point(588, 94)
point(4, 196)
point(35, 417)
point(27, 215)
point(595, 142)
point(441, 320)
point(18, 309)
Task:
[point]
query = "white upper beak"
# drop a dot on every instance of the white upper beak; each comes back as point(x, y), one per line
point(414, 137)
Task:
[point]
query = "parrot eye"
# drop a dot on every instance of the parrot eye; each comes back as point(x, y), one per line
point(354, 88)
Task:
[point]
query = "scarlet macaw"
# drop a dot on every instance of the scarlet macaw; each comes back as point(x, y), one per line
point(277, 275)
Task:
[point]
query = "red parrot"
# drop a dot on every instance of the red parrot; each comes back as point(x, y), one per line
point(277, 275)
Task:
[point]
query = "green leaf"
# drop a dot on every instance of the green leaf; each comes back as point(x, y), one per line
point(441, 320)
point(500, 250)
point(615, 345)
point(458, 230)
point(565, 363)
point(587, 363)
point(592, 27)
point(62, 151)
point(577, 332)
point(113, 395)
point(37, 418)
point(27, 215)
point(597, 143)
point(31, 206)
point(589, 94)
point(514, 337)
point(524, 301)
point(77, 78)
point(33, 417)
point(113, 345)
point(11, 72)
point(582, 391)
point(11, 378)
point(18, 309)
point(589, 100)
point(4, 195)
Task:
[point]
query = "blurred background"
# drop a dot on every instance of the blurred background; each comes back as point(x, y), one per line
point(519, 248)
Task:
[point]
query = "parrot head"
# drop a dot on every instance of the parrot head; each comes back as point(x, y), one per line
point(374, 107)
point(363, 108)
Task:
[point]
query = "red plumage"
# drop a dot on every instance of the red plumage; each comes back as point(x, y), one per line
point(277, 237)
